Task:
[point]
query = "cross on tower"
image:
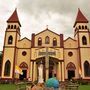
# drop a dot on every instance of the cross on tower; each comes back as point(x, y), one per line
point(46, 26)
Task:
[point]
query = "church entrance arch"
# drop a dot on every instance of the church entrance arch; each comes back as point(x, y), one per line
point(24, 68)
point(52, 70)
point(52, 67)
point(70, 70)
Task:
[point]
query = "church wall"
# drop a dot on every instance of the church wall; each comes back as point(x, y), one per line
point(70, 45)
point(50, 35)
point(80, 38)
point(8, 55)
point(84, 57)
point(58, 52)
point(80, 52)
point(14, 36)
point(24, 43)
point(73, 59)
point(26, 59)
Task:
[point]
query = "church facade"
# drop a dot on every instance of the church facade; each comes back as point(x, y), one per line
point(63, 59)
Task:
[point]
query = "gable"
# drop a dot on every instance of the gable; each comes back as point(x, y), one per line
point(70, 43)
point(46, 31)
point(24, 43)
point(51, 36)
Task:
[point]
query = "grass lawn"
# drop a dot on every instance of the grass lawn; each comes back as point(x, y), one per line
point(13, 87)
point(84, 87)
point(7, 87)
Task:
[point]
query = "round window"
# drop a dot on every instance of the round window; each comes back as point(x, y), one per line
point(70, 54)
point(24, 53)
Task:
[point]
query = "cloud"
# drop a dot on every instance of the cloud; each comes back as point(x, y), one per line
point(34, 15)
point(66, 10)
point(58, 14)
point(56, 6)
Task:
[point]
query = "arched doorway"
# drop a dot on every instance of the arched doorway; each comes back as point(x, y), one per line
point(52, 67)
point(24, 68)
point(70, 70)
point(52, 70)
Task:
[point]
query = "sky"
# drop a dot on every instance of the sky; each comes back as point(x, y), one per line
point(35, 15)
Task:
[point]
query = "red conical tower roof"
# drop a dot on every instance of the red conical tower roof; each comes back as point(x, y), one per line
point(80, 18)
point(14, 17)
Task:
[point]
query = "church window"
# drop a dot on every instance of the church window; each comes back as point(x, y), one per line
point(54, 42)
point(8, 26)
point(39, 41)
point(24, 53)
point(71, 66)
point(11, 26)
point(23, 65)
point(86, 68)
point(14, 26)
point(47, 41)
point(70, 54)
point(10, 39)
point(84, 40)
point(79, 27)
point(82, 27)
point(85, 27)
point(7, 68)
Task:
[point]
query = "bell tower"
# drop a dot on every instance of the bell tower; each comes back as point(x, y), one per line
point(81, 32)
point(82, 35)
point(12, 35)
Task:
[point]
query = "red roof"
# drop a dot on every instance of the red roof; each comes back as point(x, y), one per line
point(80, 18)
point(14, 17)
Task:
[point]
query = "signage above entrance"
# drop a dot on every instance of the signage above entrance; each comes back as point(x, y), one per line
point(49, 53)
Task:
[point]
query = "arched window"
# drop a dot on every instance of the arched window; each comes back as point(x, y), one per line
point(82, 27)
point(10, 39)
point(23, 65)
point(79, 27)
point(84, 40)
point(47, 40)
point(11, 26)
point(7, 68)
point(85, 27)
point(39, 41)
point(54, 42)
point(8, 26)
point(14, 26)
point(71, 66)
point(86, 68)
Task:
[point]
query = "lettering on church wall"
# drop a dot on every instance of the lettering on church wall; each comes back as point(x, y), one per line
point(49, 53)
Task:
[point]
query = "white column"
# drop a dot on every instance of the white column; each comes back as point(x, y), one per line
point(34, 72)
point(47, 64)
point(62, 71)
point(40, 69)
point(31, 70)
point(59, 71)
